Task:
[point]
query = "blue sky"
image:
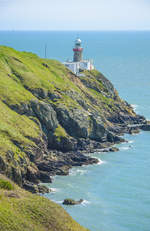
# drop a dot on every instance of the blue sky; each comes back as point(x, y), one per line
point(74, 14)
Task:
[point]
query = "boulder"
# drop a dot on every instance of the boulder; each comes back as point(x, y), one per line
point(43, 189)
point(72, 202)
point(29, 186)
point(113, 149)
point(12, 194)
point(145, 127)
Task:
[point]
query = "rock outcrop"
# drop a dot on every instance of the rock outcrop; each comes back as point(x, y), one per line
point(72, 202)
point(49, 116)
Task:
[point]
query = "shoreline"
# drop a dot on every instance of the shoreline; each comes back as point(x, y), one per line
point(84, 157)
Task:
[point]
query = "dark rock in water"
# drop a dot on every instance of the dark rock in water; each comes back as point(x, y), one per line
point(113, 149)
point(72, 202)
point(134, 130)
point(145, 127)
point(43, 189)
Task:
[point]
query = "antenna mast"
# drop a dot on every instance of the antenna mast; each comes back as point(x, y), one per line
point(45, 51)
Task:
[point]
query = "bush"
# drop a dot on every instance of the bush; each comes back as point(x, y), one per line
point(4, 184)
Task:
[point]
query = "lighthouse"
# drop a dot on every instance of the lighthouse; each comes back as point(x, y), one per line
point(78, 51)
point(78, 65)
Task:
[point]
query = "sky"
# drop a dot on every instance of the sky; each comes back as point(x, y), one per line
point(74, 14)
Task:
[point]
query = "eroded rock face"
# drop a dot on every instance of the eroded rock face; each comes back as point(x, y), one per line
point(46, 115)
point(75, 121)
point(84, 130)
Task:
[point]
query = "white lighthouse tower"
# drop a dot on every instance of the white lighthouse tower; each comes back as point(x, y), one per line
point(78, 51)
point(78, 64)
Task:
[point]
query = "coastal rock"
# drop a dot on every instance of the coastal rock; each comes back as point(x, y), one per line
point(75, 121)
point(113, 149)
point(72, 202)
point(43, 189)
point(134, 130)
point(29, 186)
point(145, 127)
point(44, 177)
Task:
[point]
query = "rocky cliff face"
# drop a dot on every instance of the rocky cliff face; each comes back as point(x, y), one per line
point(49, 115)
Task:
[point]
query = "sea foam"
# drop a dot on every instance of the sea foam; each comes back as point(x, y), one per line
point(74, 172)
point(54, 190)
point(100, 161)
point(85, 202)
point(135, 106)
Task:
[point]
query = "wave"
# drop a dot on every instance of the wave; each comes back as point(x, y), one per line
point(58, 202)
point(100, 161)
point(74, 172)
point(135, 106)
point(131, 142)
point(85, 203)
point(125, 148)
point(148, 119)
point(54, 190)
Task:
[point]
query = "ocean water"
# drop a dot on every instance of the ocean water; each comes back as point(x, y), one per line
point(116, 191)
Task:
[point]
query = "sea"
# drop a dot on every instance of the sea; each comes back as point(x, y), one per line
point(116, 192)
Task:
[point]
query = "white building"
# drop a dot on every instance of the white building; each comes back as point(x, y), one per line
point(78, 64)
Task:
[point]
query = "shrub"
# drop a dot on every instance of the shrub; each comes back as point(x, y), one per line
point(4, 184)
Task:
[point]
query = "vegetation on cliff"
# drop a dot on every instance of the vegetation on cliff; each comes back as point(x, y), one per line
point(47, 111)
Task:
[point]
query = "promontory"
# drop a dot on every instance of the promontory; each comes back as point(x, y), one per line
point(49, 118)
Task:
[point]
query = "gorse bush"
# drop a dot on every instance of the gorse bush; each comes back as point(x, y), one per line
point(4, 184)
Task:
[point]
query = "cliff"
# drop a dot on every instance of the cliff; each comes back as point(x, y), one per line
point(49, 116)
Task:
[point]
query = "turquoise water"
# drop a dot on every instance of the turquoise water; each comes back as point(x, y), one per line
point(116, 192)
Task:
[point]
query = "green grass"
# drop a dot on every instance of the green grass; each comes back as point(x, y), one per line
point(5, 184)
point(60, 132)
point(32, 212)
point(29, 72)
point(15, 127)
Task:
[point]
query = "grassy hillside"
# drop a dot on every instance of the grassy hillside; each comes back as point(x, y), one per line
point(23, 211)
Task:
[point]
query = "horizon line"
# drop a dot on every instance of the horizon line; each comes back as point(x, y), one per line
point(50, 30)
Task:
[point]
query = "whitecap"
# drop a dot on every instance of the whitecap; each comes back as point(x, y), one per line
point(130, 141)
point(148, 119)
point(74, 172)
point(125, 148)
point(54, 190)
point(58, 202)
point(100, 161)
point(134, 106)
point(85, 202)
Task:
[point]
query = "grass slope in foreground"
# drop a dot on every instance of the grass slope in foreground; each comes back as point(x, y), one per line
point(23, 211)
